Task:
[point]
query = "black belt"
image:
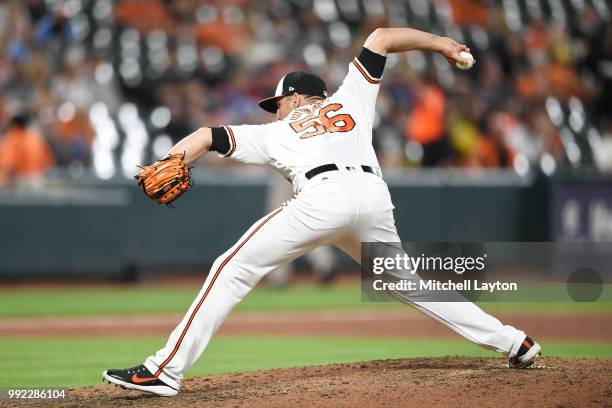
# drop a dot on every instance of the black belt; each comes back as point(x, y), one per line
point(332, 167)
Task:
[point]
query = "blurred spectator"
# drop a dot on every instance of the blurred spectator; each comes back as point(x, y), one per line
point(426, 124)
point(487, 153)
point(540, 127)
point(599, 63)
point(71, 136)
point(24, 154)
point(131, 13)
point(603, 152)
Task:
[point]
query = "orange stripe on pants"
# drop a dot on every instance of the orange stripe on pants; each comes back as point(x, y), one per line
point(212, 282)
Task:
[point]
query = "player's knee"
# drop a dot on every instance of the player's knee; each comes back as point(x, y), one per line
point(236, 271)
point(238, 281)
point(216, 264)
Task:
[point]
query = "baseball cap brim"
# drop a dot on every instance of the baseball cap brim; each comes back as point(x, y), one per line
point(269, 104)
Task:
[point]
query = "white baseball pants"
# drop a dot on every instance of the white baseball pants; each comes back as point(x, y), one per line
point(341, 208)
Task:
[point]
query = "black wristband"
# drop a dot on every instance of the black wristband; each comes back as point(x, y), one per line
point(220, 141)
point(373, 63)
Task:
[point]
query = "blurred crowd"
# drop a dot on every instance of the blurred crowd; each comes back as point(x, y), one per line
point(98, 86)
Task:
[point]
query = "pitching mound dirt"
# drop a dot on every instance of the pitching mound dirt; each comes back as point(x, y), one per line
point(426, 382)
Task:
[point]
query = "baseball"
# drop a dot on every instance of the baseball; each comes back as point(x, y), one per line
point(468, 58)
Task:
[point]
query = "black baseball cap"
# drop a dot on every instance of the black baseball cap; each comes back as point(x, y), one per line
point(300, 82)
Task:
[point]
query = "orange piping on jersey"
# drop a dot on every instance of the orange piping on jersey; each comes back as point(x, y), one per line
point(212, 282)
point(233, 140)
point(365, 73)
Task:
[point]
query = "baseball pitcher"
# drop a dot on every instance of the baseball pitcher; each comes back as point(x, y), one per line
point(323, 145)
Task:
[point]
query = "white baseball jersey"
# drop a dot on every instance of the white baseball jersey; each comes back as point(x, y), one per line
point(336, 130)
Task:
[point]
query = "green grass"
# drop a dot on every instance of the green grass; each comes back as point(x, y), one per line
point(143, 299)
point(157, 299)
point(71, 362)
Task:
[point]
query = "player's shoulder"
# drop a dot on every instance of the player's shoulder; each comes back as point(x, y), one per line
point(344, 97)
point(259, 126)
point(276, 127)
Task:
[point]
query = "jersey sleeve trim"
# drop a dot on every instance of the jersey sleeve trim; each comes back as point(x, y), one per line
point(370, 64)
point(220, 141)
point(232, 141)
point(365, 73)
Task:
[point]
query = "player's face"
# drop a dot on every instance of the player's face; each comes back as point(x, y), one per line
point(285, 106)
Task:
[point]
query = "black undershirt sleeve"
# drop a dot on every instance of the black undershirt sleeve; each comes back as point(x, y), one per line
point(220, 140)
point(373, 63)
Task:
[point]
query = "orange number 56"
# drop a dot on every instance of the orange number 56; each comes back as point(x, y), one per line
point(324, 123)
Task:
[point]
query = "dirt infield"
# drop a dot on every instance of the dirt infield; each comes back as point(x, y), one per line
point(386, 323)
point(432, 382)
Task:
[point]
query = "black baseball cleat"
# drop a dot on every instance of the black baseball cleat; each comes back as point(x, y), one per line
point(526, 355)
point(138, 378)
